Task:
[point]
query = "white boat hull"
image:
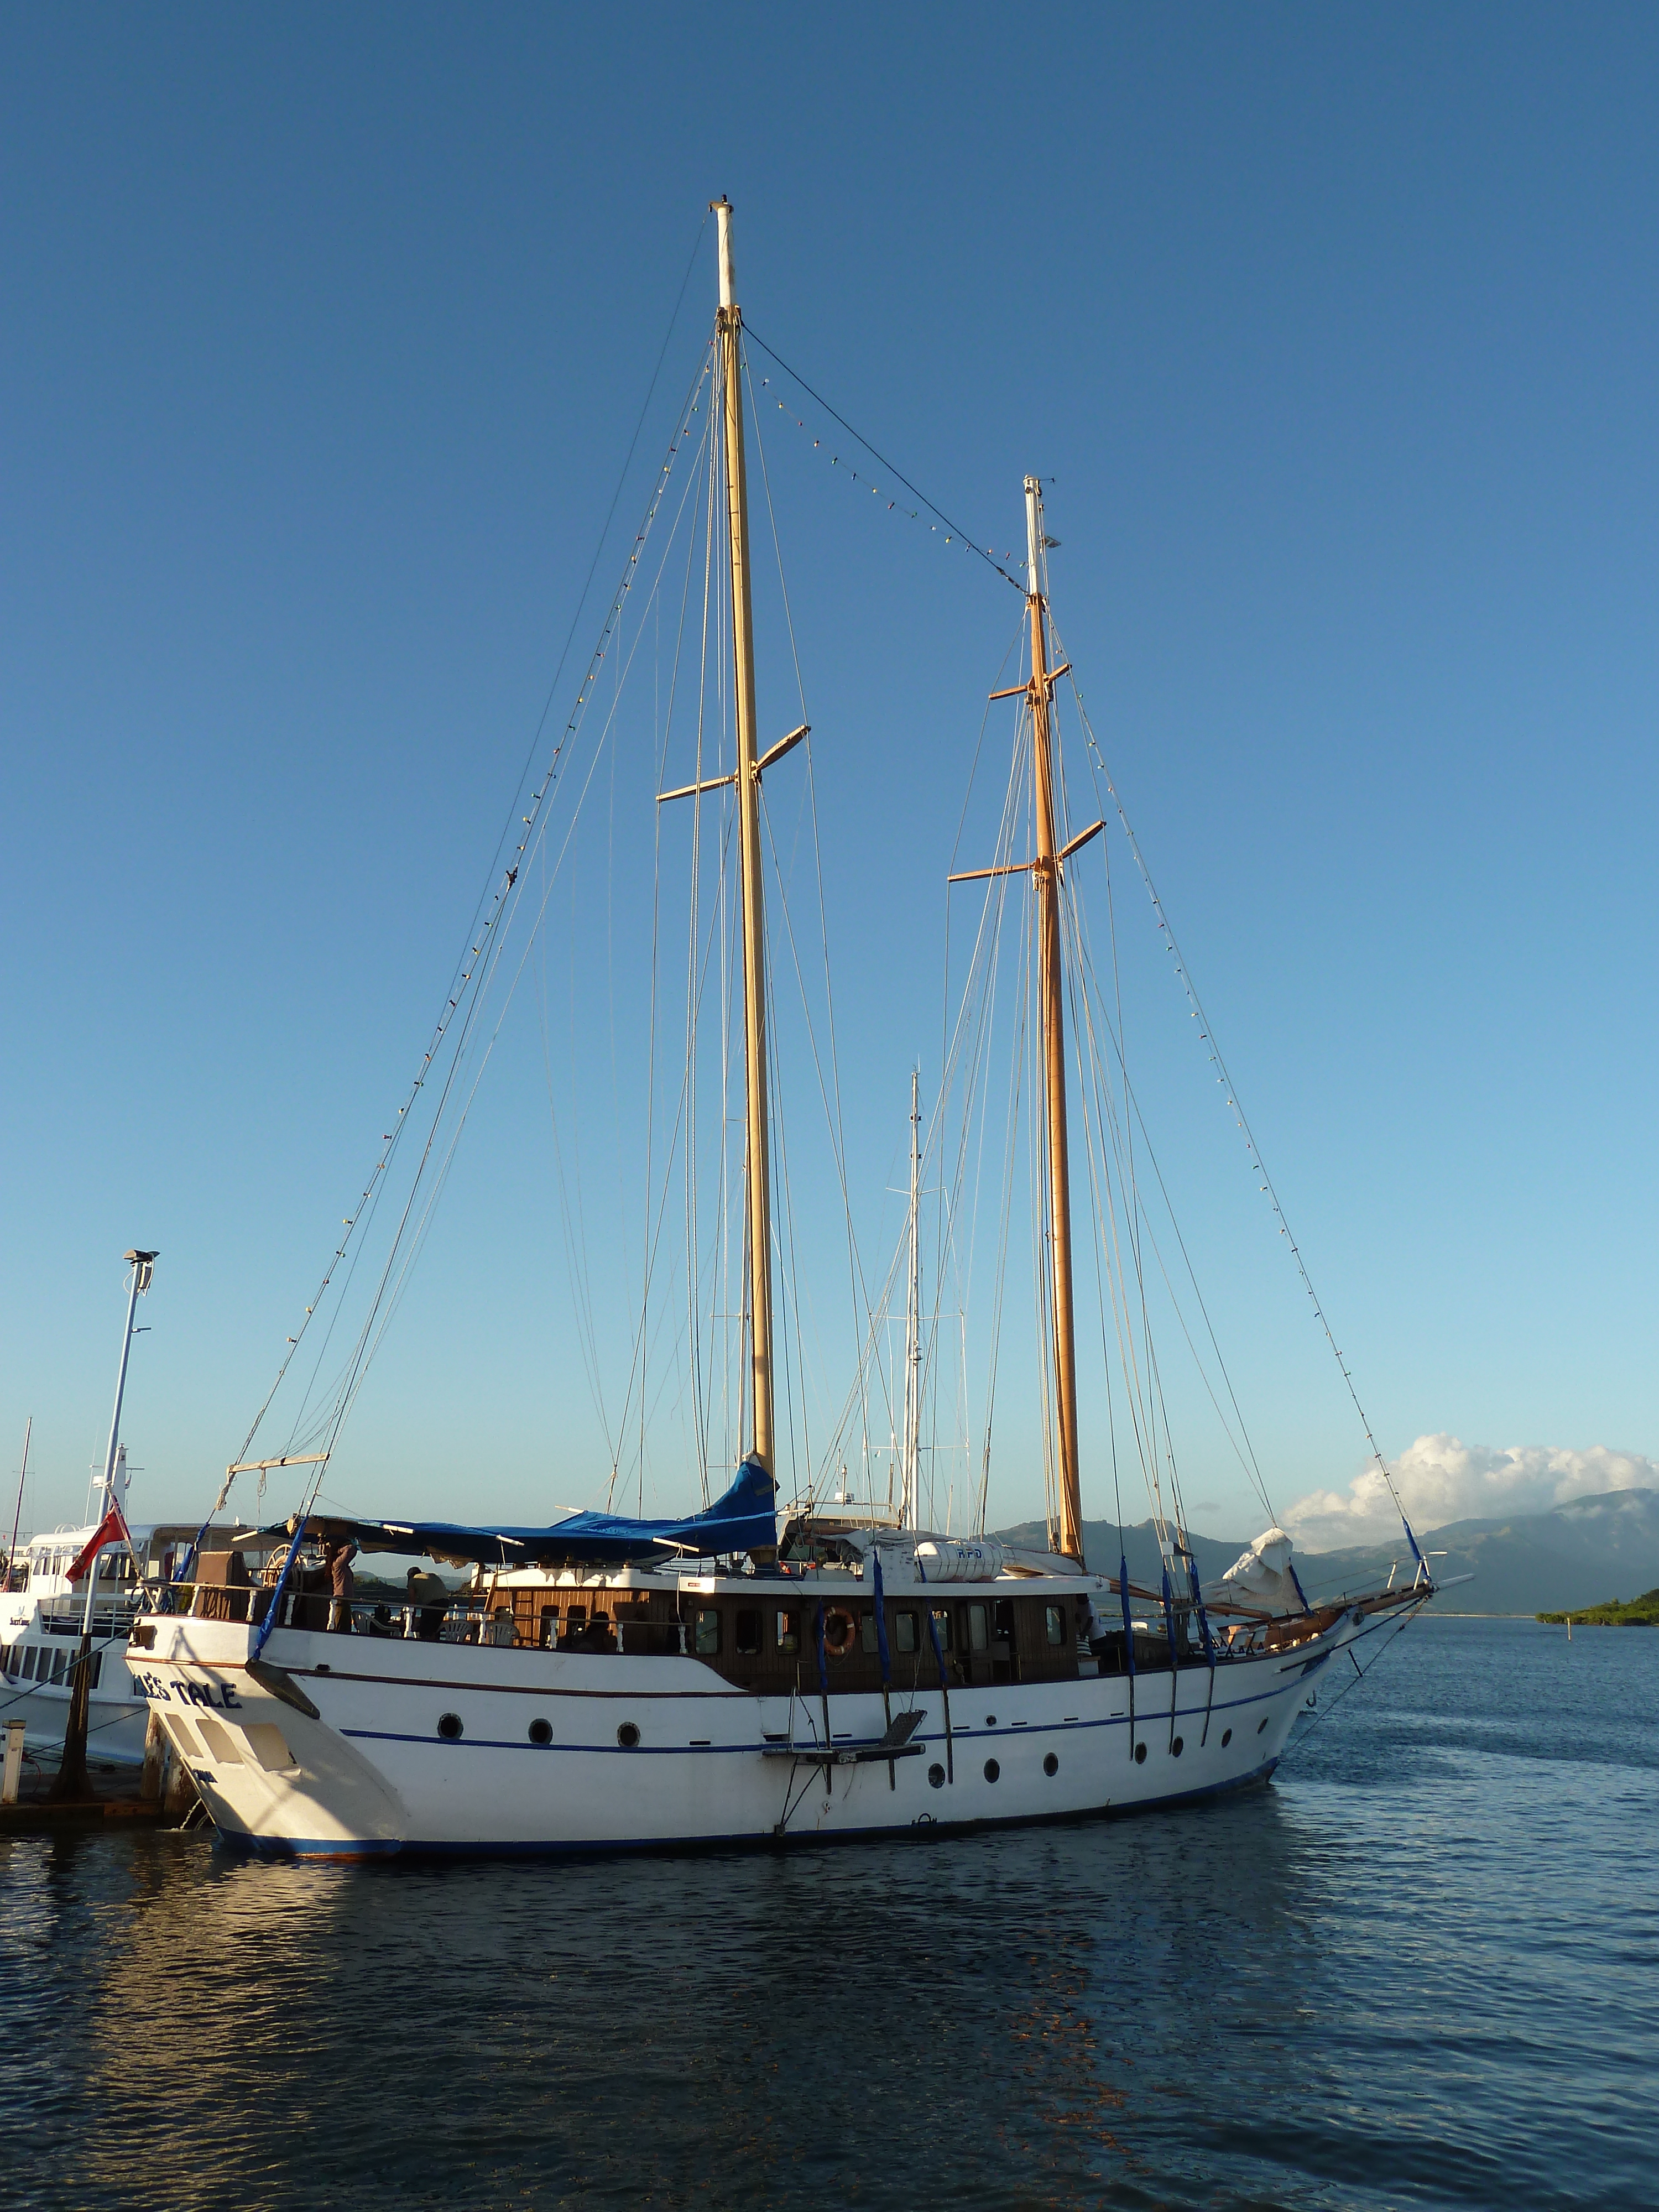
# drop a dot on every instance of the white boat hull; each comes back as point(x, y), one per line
point(713, 1765)
point(115, 1726)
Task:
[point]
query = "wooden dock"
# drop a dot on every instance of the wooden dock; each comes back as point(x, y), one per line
point(115, 1797)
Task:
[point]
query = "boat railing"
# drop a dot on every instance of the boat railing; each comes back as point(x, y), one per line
point(460, 1620)
point(68, 1620)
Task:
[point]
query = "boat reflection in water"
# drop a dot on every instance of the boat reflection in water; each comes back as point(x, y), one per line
point(603, 2029)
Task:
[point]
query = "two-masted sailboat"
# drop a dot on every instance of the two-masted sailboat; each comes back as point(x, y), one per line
point(746, 1674)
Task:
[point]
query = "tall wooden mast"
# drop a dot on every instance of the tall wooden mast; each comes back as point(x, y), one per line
point(757, 1151)
point(1051, 989)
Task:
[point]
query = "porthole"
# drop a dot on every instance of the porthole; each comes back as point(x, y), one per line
point(936, 1776)
point(449, 1727)
point(541, 1731)
point(1227, 1738)
point(1140, 1754)
point(990, 1720)
point(1261, 1724)
point(1176, 1746)
point(992, 1769)
point(1051, 1764)
point(627, 1735)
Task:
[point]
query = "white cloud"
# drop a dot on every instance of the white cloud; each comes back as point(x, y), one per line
point(1442, 1479)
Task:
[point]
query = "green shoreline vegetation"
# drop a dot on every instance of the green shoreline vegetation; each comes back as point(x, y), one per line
point(1640, 1612)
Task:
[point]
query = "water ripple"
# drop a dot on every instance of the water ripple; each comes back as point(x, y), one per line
point(1418, 1970)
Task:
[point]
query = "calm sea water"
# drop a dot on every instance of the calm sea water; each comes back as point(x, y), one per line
point(1422, 1968)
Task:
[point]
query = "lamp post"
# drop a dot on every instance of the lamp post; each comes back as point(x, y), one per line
point(71, 1781)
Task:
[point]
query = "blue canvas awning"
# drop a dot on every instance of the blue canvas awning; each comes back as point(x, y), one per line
point(744, 1520)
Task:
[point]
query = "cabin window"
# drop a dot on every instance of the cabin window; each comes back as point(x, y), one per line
point(749, 1632)
point(1054, 1618)
point(867, 1630)
point(708, 1635)
point(59, 1665)
point(97, 1669)
point(786, 1627)
point(979, 1629)
point(942, 1623)
point(26, 1672)
point(905, 1623)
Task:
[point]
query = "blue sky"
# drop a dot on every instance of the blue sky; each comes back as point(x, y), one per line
point(1333, 333)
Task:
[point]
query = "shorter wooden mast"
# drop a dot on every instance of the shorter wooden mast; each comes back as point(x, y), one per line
point(1066, 1534)
point(1051, 989)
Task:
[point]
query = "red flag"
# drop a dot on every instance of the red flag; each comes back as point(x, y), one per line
point(111, 1529)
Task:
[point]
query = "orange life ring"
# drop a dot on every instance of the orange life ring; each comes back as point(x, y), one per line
point(839, 1631)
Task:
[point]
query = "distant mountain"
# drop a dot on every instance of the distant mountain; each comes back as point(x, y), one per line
point(1102, 1548)
point(1582, 1554)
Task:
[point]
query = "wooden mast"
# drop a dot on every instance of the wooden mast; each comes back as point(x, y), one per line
point(1050, 988)
point(756, 1154)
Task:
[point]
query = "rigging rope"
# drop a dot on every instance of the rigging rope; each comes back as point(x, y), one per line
point(837, 1132)
point(954, 530)
point(1206, 1034)
point(485, 947)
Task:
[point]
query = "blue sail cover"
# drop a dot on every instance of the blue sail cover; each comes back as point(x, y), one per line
point(744, 1520)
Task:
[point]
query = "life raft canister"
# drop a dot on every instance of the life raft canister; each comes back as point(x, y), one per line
point(839, 1631)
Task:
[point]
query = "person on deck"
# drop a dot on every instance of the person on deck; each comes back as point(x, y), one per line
point(431, 1594)
point(342, 1583)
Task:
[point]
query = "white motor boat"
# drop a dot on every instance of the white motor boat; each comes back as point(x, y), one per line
point(42, 1614)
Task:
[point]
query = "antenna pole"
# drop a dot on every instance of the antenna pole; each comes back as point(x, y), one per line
point(757, 1150)
point(17, 1517)
point(911, 1501)
point(1051, 989)
point(71, 1782)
